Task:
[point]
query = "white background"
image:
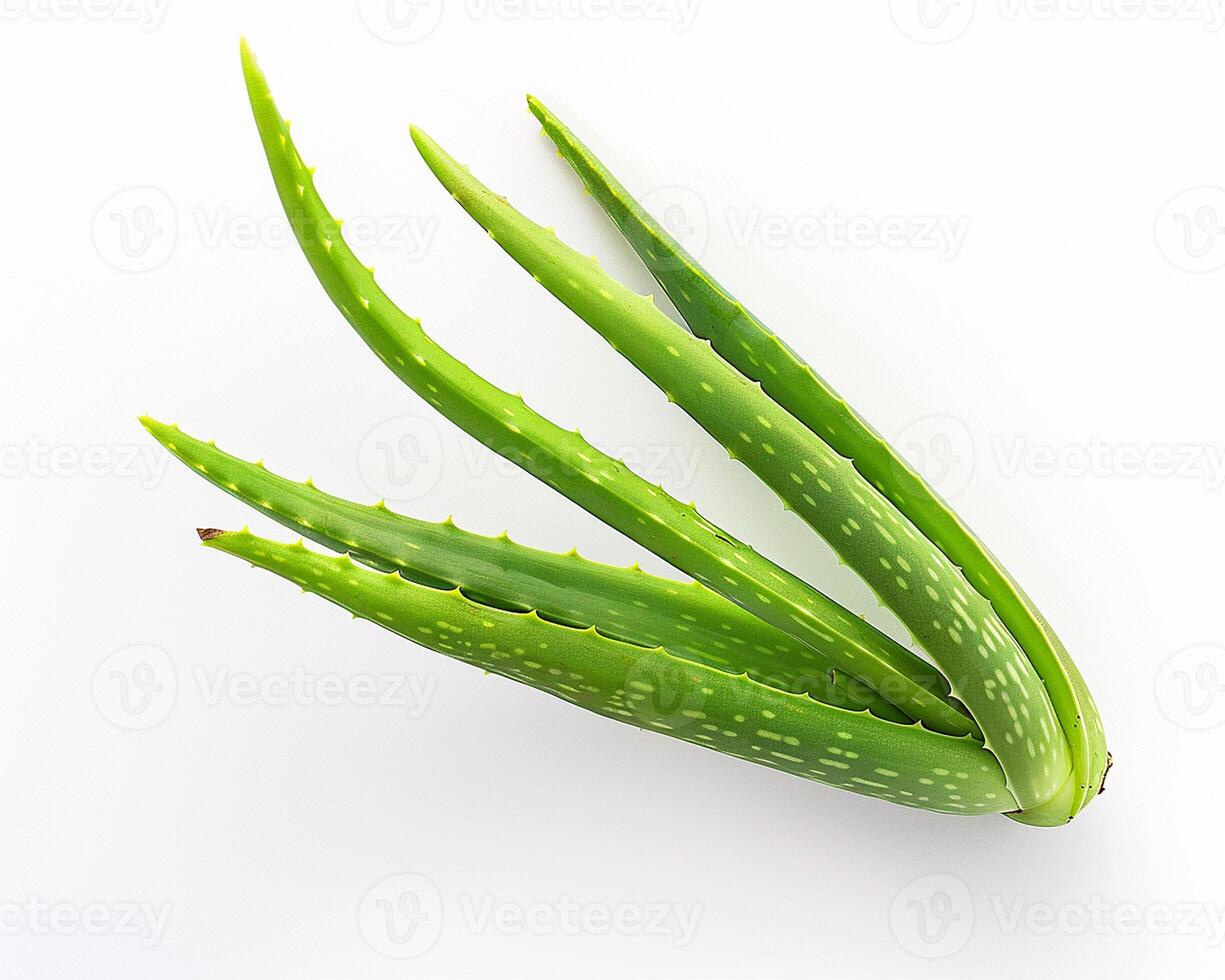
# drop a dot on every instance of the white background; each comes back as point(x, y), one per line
point(1055, 366)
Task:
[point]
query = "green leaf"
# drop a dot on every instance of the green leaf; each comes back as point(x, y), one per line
point(712, 313)
point(651, 689)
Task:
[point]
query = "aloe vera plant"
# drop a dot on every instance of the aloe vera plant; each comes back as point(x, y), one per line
point(746, 658)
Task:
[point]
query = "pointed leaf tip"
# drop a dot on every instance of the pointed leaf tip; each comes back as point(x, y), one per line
point(421, 139)
point(249, 64)
point(537, 108)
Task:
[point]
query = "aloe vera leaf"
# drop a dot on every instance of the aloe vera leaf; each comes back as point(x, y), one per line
point(955, 624)
point(652, 689)
point(711, 312)
point(688, 619)
point(565, 461)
